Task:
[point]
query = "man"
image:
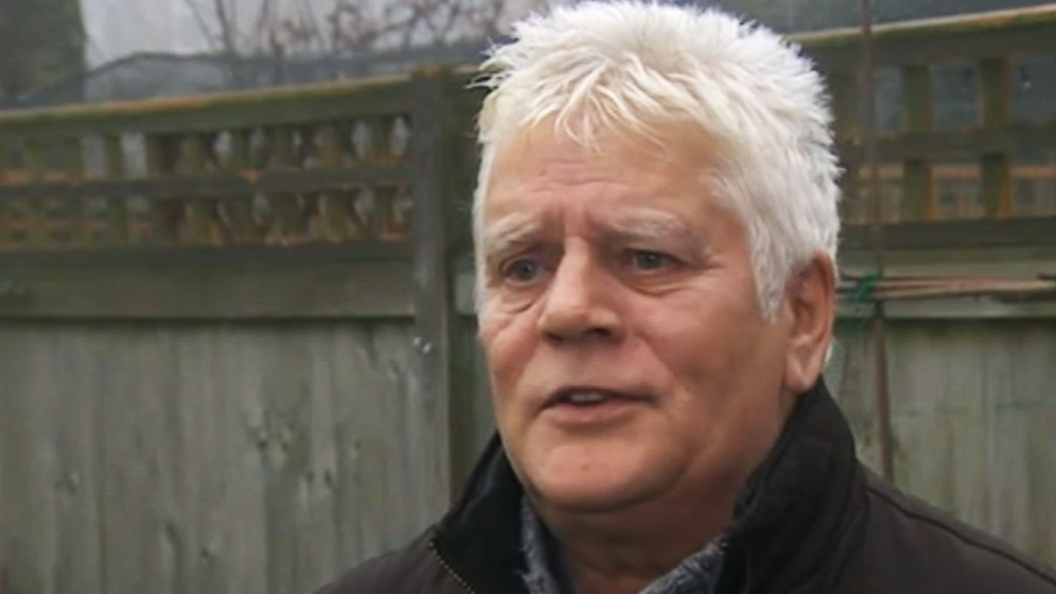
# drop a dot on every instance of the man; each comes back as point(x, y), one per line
point(656, 229)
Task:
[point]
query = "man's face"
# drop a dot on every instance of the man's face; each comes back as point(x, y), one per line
point(628, 356)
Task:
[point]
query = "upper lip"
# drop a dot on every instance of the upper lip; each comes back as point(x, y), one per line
point(557, 395)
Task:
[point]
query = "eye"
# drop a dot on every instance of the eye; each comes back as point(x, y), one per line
point(648, 261)
point(522, 270)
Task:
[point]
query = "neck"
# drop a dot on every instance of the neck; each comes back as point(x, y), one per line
point(622, 552)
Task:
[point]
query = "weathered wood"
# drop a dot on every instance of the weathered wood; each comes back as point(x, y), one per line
point(77, 209)
point(5, 207)
point(207, 113)
point(222, 458)
point(284, 207)
point(118, 231)
point(238, 207)
point(166, 214)
point(995, 98)
point(200, 210)
point(971, 404)
point(909, 235)
point(917, 116)
point(980, 35)
point(325, 290)
point(952, 144)
point(334, 210)
point(844, 90)
point(439, 222)
point(214, 184)
point(38, 227)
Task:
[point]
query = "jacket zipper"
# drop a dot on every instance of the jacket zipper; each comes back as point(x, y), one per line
point(461, 581)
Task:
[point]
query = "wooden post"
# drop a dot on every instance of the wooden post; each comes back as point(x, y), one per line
point(284, 205)
point(5, 207)
point(117, 209)
point(166, 213)
point(994, 110)
point(36, 210)
point(199, 211)
point(333, 207)
point(240, 208)
point(439, 228)
point(844, 89)
point(918, 180)
point(80, 232)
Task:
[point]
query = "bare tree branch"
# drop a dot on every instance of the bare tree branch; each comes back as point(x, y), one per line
point(203, 27)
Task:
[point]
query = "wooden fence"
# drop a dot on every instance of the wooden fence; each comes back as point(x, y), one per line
point(236, 332)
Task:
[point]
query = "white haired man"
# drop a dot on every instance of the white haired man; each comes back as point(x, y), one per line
point(656, 228)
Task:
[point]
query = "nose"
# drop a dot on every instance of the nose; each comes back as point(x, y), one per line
point(579, 303)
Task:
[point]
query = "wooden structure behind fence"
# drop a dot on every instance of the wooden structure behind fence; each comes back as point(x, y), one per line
point(236, 331)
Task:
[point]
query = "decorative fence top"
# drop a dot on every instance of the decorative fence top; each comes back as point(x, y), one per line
point(333, 163)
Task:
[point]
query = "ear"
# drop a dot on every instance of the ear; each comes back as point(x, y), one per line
point(812, 305)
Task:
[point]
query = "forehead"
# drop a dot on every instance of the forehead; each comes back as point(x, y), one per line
point(541, 175)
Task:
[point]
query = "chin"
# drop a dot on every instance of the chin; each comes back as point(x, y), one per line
point(583, 497)
point(595, 485)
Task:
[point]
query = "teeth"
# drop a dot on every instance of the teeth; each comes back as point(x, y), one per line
point(587, 397)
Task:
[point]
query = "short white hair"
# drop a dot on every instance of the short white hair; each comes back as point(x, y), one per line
point(639, 67)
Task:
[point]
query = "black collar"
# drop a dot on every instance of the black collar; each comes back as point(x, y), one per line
point(795, 518)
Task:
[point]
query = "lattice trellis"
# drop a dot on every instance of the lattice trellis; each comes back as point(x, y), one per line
point(333, 179)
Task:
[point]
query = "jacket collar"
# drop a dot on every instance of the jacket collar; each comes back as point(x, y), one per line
point(797, 516)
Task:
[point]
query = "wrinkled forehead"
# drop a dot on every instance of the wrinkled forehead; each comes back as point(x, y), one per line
point(620, 167)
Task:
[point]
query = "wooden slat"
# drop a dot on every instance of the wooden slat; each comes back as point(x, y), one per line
point(999, 33)
point(262, 107)
point(284, 205)
point(165, 212)
point(339, 289)
point(217, 184)
point(1011, 232)
point(239, 207)
point(994, 109)
point(917, 116)
point(118, 223)
point(5, 207)
point(439, 222)
point(333, 209)
point(844, 90)
point(78, 207)
point(953, 144)
point(199, 211)
point(38, 224)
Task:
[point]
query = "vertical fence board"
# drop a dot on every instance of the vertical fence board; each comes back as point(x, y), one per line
point(118, 230)
point(917, 116)
point(78, 390)
point(5, 207)
point(38, 228)
point(994, 108)
point(439, 225)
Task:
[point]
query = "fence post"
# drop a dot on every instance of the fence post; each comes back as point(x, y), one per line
point(918, 184)
point(994, 108)
point(440, 226)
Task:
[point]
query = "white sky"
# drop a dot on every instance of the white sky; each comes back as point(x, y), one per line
point(117, 28)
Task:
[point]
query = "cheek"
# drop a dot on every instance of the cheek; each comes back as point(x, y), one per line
point(507, 341)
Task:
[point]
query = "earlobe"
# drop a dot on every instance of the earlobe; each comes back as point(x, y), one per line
point(812, 300)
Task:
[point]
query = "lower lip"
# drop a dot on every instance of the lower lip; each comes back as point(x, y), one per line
point(594, 415)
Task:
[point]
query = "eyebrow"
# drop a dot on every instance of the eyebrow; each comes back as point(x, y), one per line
point(519, 229)
point(651, 225)
point(510, 232)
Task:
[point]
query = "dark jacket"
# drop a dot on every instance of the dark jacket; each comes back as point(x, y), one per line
point(811, 520)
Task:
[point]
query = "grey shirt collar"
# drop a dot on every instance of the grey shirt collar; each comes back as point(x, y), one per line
point(697, 574)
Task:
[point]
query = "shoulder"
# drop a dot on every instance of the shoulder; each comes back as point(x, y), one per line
point(410, 570)
point(924, 549)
